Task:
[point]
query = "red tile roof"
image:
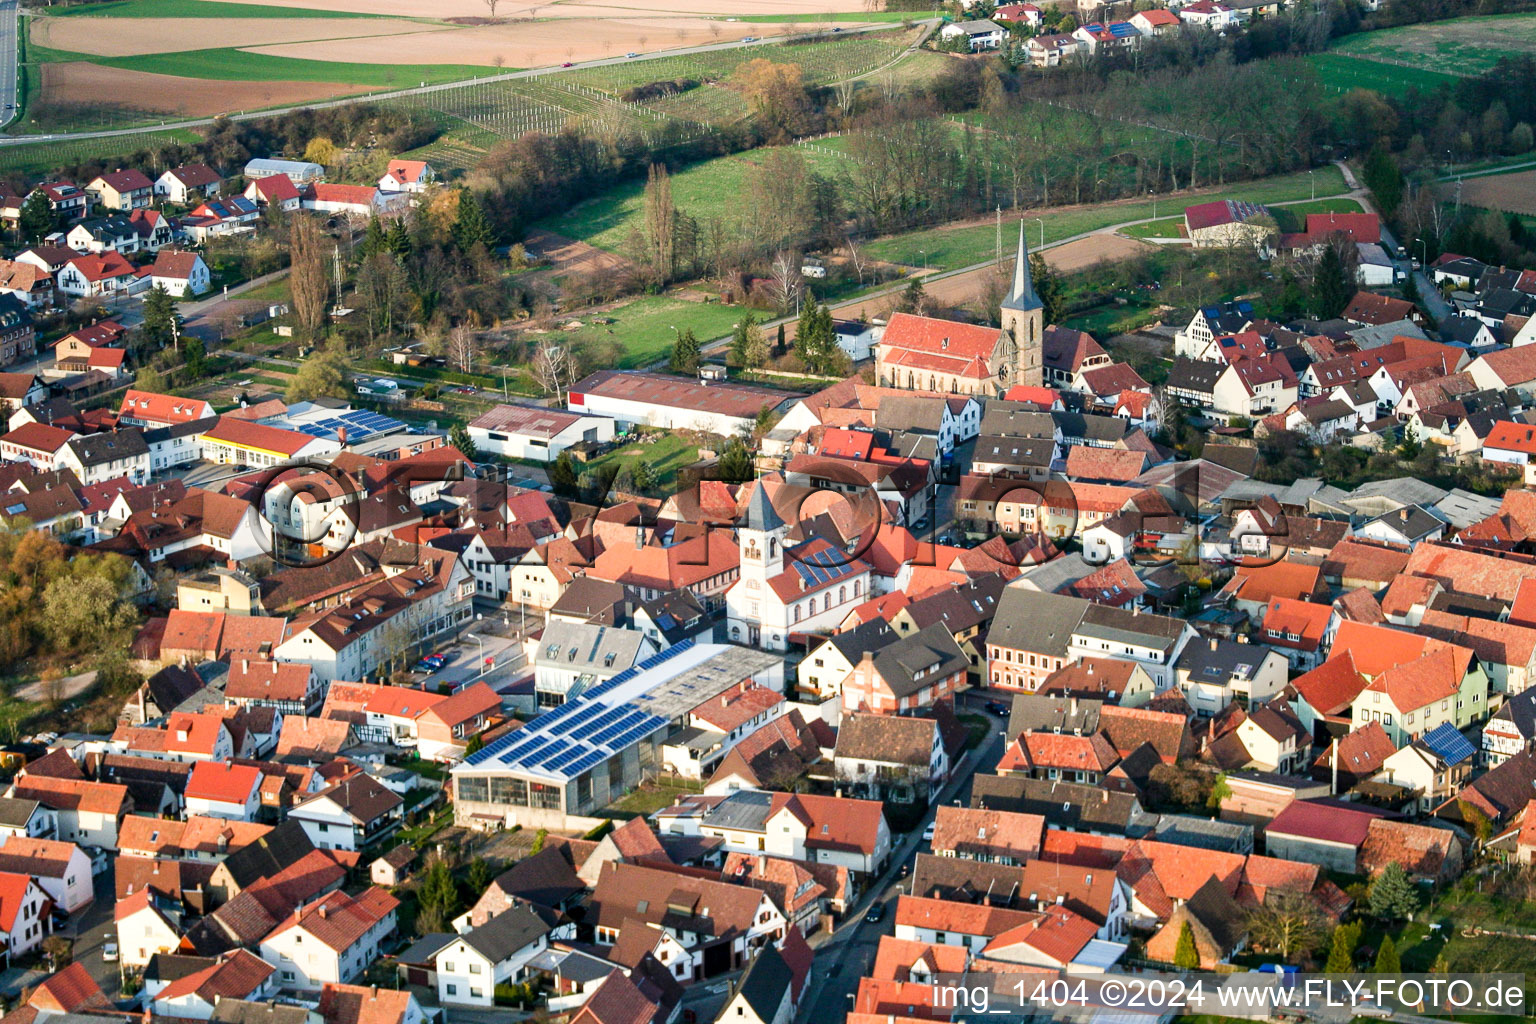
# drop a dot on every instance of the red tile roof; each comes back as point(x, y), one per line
point(257, 435)
point(13, 893)
point(38, 437)
point(1330, 688)
point(221, 781)
point(1330, 822)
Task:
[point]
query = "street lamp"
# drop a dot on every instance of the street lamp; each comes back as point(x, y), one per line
point(480, 647)
point(924, 254)
point(1153, 194)
point(1312, 177)
point(1042, 231)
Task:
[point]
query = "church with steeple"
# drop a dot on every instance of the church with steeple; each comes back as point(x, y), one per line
point(922, 353)
point(783, 596)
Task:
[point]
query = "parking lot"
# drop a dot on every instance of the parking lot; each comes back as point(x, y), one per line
point(489, 650)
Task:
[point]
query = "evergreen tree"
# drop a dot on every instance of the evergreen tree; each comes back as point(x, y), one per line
point(470, 227)
point(816, 340)
point(740, 337)
point(914, 299)
point(36, 218)
point(373, 237)
point(1384, 178)
point(397, 239)
point(1185, 955)
point(562, 475)
point(460, 439)
point(438, 891)
point(1387, 960)
point(781, 346)
point(685, 353)
point(1048, 286)
point(735, 462)
point(160, 320)
point(1393, 894)
point(1331, 287)
point(479, 876)
point(195, 355)
point(643, 477)
point(1341, 955)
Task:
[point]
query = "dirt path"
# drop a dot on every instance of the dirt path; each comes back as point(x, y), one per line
point(69, 686)
point(567, 255)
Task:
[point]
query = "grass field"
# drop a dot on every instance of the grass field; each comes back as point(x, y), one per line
point(948, 248)
point(196, 9)
point(1460, 46)
point(713, 189)
point(666, 456)
point(821, 62)
point(1294, 217)
point(1166, 227)
point(229, 64)
point(37, 159)
point(645, 326)
point(1341, 72)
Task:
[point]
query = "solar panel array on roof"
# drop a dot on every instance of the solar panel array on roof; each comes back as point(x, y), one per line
point(358, 423)
point(582, 732)
point(1449, 744)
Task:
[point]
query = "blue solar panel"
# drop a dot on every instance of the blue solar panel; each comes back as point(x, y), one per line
point(549, 753)
point(586, 763)
point(1449, 744)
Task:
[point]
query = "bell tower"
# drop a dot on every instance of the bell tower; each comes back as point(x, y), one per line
point(1023, 320)
point(761, 538)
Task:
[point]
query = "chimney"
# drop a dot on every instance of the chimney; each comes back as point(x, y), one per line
point(1213, 643)
point(1073, 705)
point(245, 663)
point(375, 992)
point(322, 911)
point(1403, 512)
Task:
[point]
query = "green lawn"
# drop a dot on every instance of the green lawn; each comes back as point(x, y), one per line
point(665, 456)
point(644, 326)
point(1457, 47)
point(1167, 227)
point(1342, 72)
point(946, 248)
point(1294, 217)
point(714, 189)
point(233, 65)
point(196, 9)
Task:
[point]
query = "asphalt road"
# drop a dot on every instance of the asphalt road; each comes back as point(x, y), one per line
point(844, 958)
point(10, 29)
point(510, 76)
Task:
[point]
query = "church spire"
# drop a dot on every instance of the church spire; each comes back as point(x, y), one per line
point(1022, 296)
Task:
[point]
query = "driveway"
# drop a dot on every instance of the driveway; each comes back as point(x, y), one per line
point(91, 928)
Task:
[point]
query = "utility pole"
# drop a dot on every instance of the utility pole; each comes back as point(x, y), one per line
point(999, 235)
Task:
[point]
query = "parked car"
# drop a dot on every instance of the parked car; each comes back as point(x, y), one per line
point(928, 832)
point(997, 707)
point(109, 952)
point(876, 913)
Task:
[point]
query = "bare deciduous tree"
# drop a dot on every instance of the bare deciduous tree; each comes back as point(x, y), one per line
point(784, 284)
point(554, 370)
point(461, 348)
point(491, 6)
point(856, 258)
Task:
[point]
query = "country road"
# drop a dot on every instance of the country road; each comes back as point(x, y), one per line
point(10, 48)
point(422, 90)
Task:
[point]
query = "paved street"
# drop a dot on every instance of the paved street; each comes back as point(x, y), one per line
point(10, 37)
point(844, 957)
